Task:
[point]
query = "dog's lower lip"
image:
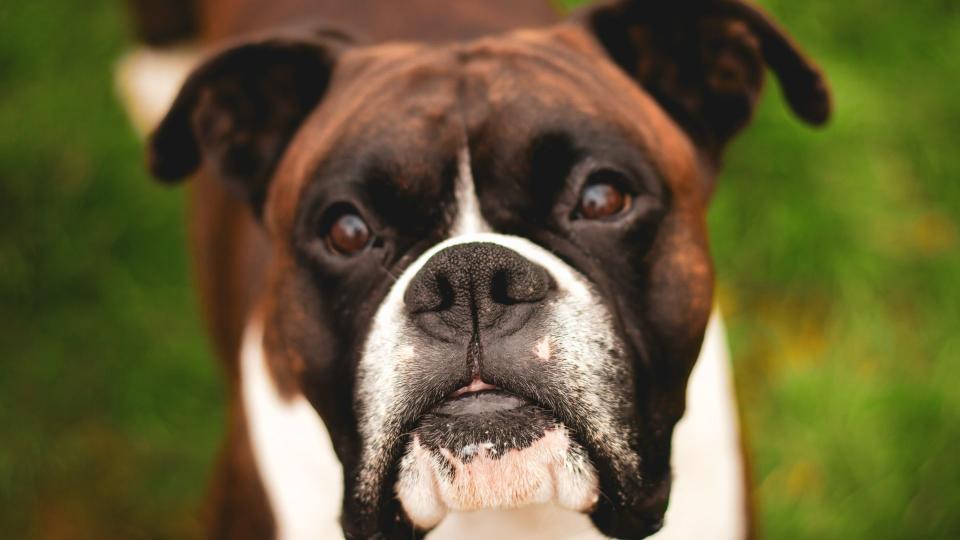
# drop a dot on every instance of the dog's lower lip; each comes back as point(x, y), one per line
point(480, 402)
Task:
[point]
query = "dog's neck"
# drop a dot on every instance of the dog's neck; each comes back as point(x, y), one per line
point(303, 478)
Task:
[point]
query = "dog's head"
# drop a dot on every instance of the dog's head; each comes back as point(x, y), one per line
point(490, 271)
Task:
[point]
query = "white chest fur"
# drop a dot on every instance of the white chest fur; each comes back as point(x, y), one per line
point(303, 478)
point(300, 472)
point(707, 499)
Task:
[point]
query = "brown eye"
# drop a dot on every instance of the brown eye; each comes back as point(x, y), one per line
point(602, 200)
point(348, 235)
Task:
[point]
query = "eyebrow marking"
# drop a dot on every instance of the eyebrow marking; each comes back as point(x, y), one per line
point(468, 219)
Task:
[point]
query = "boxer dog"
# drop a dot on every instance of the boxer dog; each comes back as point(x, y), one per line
point(458, 271)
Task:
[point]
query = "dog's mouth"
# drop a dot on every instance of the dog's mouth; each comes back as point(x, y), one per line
point(477, 399)
point(483, 419)
point(476, 386)
point(488, 401)
point(487, 447)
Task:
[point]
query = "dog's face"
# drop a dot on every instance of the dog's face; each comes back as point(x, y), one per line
point(490, 272)
point(453, 230)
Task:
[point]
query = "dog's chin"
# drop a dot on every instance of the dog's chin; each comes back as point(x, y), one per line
point(491, 450)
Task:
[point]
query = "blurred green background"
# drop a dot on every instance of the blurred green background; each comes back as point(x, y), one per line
point(837, 258)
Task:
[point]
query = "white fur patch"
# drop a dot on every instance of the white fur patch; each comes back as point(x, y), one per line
point(148, 81)
point(536, 522)
point(468, 220)
point(542, 349)
point(301, 474)
point(708, 495)
point(546, 471)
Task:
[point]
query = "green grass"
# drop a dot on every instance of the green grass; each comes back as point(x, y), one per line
point(110, 407)
point(837, 258)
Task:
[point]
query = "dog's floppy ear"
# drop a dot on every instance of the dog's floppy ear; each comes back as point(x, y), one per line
point(238, 110)
point(704, 60)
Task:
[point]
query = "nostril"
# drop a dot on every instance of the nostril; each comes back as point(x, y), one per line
point(430, 292)
point(433, 292)
point(446, 294)
point(528, 283)
point(499, 287)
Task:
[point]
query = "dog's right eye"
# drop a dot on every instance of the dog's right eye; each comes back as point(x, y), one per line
point(348, 234)
point(604, 196)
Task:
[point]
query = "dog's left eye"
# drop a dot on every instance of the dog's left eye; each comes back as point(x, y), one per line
point(348, 234)
point(602, 197)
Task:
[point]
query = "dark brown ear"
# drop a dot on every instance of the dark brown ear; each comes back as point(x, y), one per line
point(236, 113)
point(704, 60)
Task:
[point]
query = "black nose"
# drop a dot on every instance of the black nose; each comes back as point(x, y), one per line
point(476, 286)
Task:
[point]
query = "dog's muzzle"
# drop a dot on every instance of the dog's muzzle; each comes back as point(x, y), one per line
point(484, 447)
point(492, 378)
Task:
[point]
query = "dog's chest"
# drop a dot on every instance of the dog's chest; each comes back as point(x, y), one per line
point(303, 478)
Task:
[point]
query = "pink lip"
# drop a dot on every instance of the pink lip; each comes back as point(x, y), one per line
point(476, 386)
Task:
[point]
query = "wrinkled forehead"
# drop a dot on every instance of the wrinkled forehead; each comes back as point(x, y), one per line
point(401, 113)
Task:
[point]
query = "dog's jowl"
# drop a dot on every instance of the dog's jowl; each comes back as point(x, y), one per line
point(460, 276)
